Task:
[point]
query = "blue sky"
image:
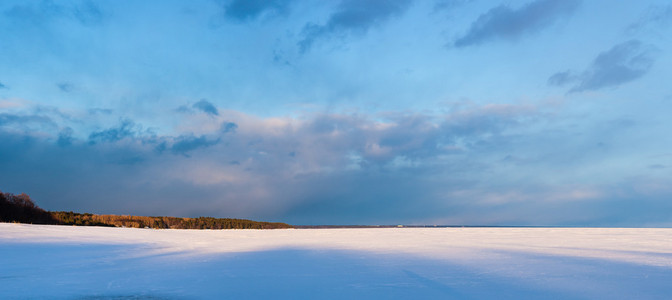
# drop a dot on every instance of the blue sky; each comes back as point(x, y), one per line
point(547, 112)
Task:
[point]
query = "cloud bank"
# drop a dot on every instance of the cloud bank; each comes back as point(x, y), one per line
point(320, 168)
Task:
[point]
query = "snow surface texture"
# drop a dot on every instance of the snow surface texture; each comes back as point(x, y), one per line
point(64, 262)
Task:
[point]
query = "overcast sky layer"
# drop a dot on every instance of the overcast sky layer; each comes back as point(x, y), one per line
point(546, 112)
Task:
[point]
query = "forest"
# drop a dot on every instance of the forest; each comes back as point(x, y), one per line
point(21, 209)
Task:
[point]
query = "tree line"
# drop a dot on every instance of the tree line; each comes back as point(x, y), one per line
point(21, 209)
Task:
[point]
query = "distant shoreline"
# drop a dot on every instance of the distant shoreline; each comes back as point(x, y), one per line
point(21, 209)
point(449, 226)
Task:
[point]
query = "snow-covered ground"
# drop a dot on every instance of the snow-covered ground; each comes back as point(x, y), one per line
point(63, 262)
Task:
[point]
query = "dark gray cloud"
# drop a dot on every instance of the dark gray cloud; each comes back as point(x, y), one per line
point(65, 137)
point(186, 143)
point(379, 197)
point(229, 127)
point(202, 106)
point(245, 10)
point(126, 129)
point(206, 107)
point(503, 22)
point(393, 200)
point(132, 131)
point(621, 64)
point(352, 16)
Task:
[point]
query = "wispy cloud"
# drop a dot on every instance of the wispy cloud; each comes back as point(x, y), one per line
point(38, 13)
point(126, 129)
point(352, 16)
point(448, 4)
point(621, 64)
point(65, 87)
point(7, 119)
point(29, 124)
point(88, 13)
point(503, 22)
point(206, 107)
point(657, 16)
point(186, 143)
point(245, 10)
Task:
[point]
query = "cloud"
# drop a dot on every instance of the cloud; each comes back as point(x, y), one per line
point(352, 16)
point(202, 105)
point(126, 129)
point(187, 143)
point(245, 10)
point(65, 137)
point(86, 13)
point(65, 87)
point(502, 22)
point(229, 127)
point(562, 78)
point(621, 64)
point(6, 119)
point(656, 17)
point(321, 168)
point(30, 123)
point(134, 132)
point(448, 4)
point(249, 167)
point(184, 109)
point(2, 86)
point(206, 107)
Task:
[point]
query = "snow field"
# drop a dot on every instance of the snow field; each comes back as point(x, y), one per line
point(65, 262)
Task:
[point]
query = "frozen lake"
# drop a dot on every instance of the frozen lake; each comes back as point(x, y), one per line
point(63, 262)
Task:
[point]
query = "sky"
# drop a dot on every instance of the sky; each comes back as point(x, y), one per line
point(544, 112)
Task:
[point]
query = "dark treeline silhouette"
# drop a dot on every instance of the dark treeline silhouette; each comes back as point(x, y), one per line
point(71, 218)
point(21, 209)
